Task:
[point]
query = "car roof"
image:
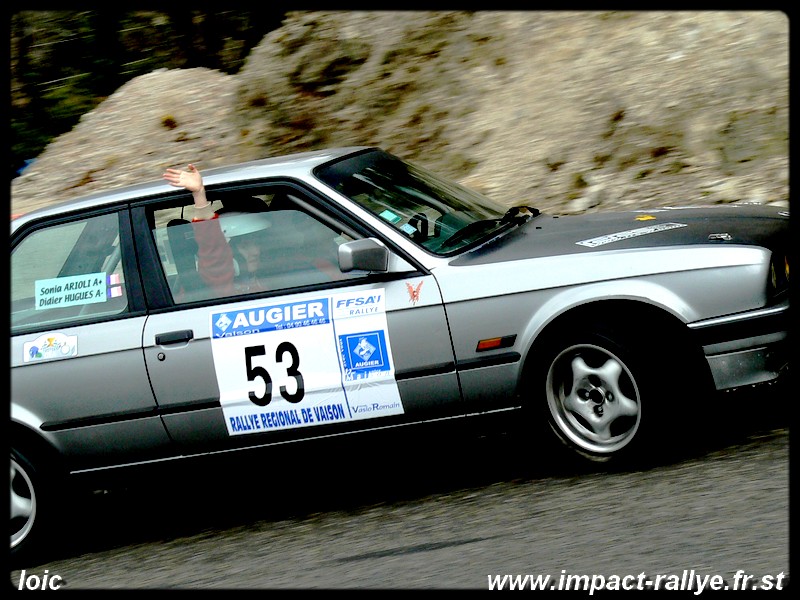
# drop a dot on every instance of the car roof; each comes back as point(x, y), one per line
point(301, 163)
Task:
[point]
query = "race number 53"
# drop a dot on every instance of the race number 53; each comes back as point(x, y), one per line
point(256, 372)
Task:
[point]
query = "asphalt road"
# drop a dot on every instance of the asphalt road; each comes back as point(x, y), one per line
point(446, 514)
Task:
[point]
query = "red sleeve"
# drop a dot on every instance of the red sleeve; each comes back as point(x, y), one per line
point(214, 255)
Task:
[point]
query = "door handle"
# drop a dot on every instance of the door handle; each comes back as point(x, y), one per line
point(174, 337)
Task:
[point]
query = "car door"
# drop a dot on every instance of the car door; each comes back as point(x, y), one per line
point(78, 377)
point(306, 350)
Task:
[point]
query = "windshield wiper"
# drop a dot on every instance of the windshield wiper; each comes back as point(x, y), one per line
point(522, 213)
point(514, 215)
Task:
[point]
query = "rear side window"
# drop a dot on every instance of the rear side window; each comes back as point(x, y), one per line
point(68, 274)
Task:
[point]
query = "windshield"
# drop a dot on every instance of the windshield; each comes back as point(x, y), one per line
point(439, 215)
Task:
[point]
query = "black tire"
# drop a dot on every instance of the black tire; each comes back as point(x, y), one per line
point(603, 393)
point(30, 509)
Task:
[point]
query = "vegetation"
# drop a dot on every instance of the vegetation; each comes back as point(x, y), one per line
point(64, 63)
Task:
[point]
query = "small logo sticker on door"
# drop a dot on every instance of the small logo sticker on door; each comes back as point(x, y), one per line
point(413, 292)
point(50, 345)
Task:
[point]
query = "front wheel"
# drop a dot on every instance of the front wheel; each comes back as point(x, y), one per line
point(603, 391)
point(594, 399)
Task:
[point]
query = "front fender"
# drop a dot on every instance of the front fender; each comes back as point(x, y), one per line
point(568, 299)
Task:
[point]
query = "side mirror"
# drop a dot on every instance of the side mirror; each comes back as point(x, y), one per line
point(363, 255)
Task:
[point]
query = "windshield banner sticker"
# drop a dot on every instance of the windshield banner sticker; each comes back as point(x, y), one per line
point(50, 345)
point(304, 363)
point(631, 233)
point(76, 289)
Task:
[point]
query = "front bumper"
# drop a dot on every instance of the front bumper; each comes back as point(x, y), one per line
point(747, 348)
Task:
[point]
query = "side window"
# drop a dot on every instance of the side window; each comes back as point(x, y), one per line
point(68, 273)
point(261, 240)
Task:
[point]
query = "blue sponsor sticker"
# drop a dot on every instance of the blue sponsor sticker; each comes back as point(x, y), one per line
point(363, 353)
point(270, 318)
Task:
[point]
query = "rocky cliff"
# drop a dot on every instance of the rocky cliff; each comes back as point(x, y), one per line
point(566, 111)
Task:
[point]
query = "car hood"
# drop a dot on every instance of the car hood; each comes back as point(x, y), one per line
point(548, 235)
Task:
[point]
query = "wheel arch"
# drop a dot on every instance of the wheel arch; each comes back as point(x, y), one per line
point(623, 313)
point(35, 447)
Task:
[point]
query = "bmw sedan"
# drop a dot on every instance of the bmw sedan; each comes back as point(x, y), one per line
point(338, 291)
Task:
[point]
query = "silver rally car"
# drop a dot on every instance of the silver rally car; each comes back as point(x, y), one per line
point(384, 296)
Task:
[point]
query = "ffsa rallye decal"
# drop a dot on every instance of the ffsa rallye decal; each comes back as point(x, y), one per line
point(304, 363)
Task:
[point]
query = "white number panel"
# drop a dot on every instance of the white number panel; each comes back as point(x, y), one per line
point(298, 364)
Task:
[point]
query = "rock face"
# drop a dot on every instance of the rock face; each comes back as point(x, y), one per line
point(565, 111)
